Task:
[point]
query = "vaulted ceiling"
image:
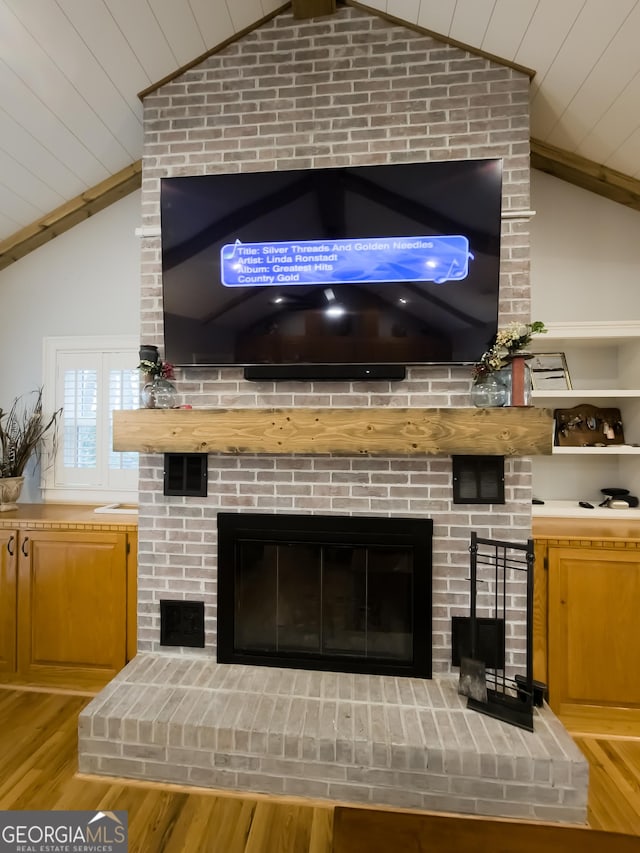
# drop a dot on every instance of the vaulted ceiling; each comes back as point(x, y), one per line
point(71, 72)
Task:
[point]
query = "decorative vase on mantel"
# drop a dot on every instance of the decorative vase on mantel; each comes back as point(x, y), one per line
point(158, 393)
point(10, 488)
point(489, 392)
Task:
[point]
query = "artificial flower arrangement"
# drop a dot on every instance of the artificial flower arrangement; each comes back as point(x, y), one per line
point(162, 369)
point(508, 342)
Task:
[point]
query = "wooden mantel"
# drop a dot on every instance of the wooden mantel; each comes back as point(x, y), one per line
point(514, 431)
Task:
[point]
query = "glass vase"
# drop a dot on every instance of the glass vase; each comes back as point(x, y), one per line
point(489, 392)
point(504, 375)
point(159, 393)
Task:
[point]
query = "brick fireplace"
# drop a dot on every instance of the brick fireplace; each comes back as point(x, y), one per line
point(348, 89)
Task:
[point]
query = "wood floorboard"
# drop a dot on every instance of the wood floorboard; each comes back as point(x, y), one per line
point(614, 785)
point(38, 764)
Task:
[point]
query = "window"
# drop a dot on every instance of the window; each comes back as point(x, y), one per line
point(90, 378)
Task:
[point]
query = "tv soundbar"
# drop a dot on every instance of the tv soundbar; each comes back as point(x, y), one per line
point(325, 372)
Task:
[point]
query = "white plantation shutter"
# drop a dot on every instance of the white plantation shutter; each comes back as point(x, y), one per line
point(79, 448)
point(91, 378)
point(123, 392)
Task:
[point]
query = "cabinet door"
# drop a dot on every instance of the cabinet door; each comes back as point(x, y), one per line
point(132, 595)
point(540, 599)
point(594, 641)
point(8, 600)
point(72, 594)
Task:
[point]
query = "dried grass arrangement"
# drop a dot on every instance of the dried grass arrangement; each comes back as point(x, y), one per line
point(22, 430)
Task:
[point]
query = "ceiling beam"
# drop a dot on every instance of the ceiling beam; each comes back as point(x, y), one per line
point(312, 8)
point(71, 213)
point(586, 174)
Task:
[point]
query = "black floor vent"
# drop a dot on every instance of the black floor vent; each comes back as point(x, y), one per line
point(182, 623)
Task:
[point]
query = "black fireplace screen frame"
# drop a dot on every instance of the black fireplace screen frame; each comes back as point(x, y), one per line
point(414, 534)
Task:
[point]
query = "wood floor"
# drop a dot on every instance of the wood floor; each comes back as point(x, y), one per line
point(38, 763)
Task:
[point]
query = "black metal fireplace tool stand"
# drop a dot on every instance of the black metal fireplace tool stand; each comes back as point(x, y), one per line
point(500, 684)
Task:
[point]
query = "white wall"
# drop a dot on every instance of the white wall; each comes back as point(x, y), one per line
point(85, 282)
point(585, 255)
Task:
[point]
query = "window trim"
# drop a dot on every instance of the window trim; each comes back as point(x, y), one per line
point(51, 346)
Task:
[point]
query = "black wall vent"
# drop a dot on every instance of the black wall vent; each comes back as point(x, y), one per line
point(182, 623)
point(185, 474)
point(478, 479)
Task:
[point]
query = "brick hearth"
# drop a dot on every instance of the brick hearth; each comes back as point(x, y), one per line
point(406, 742)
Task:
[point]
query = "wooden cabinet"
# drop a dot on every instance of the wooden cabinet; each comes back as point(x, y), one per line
point(594, 642)
point(67, 602)
point(8, 599)
point(71, 606)
point(586, 622)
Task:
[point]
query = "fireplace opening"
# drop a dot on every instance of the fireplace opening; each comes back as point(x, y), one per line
point(343, 593)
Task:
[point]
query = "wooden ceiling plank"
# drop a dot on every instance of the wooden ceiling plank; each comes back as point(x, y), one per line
point(48, 85)
point(507, 26)
point(586, 174)
point(99, 31)
point(25, 184)
point(545, 34)
point(593, 29)
point(407, 9)
point(180, 28)
point(76, 210)
point(61, 41)
point(144, 35)
point(214, 21)
point(438, 15)
point(471, 18)
point(244, 12)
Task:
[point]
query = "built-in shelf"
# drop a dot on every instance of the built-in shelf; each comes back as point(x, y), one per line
point(513, 431)
point(611, 450)
point(603, 359)
point(589, 394)
point(572, 509)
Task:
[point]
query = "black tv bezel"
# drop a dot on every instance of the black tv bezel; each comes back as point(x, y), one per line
point(345, 371)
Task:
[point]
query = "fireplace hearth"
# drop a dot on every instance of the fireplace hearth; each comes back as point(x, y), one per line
point(339, 593)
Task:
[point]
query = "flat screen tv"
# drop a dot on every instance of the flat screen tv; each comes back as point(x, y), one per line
point(316, 273)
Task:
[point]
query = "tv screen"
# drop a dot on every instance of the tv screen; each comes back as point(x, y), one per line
point(367, 265)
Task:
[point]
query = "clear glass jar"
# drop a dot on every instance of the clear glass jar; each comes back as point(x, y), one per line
point(159, 394)
point(489, 392)
point(504, 375)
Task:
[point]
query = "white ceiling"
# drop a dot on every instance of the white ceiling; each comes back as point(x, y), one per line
point(70, 71)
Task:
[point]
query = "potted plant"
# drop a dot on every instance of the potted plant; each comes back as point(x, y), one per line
point(22, 430)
